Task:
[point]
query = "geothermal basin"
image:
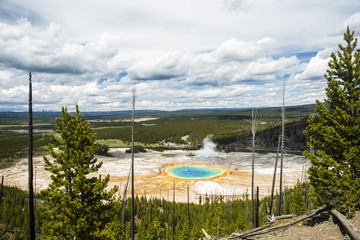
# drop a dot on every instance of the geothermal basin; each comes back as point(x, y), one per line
point(156, 173)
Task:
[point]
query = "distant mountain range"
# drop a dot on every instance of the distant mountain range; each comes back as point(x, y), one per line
point(56, 114)
point(301, 110)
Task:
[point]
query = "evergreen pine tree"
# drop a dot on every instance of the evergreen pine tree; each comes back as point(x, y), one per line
point(297, 205)
point(335, 133)
point(74, 203)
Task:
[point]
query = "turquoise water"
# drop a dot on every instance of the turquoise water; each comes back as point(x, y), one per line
point(194, 171)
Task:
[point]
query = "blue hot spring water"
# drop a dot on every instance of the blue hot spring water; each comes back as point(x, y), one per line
point(184, 171)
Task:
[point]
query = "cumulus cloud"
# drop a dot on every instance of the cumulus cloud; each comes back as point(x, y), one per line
point(310, 84)
point(248, 62)
point(353, 22)
point(222, 53)
point(44, 50)
point(167, 67)
point(268, 66)
point(317, 66)
point(85, 73)
point(236, 50)
point(233, 61)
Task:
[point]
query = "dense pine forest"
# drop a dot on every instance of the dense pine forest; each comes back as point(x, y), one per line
point(155, 219)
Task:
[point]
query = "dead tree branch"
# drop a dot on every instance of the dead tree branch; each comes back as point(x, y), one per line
point(267, 229)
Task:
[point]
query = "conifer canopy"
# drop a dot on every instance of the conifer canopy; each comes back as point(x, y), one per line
point(74, 203)
point(334, 133)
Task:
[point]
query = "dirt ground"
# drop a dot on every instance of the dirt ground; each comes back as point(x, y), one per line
point(319, 227)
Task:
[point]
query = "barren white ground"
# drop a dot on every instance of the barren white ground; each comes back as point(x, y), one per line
point(150, 180)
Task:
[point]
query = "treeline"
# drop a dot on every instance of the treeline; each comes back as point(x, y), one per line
point(267, 138)
point(228, 132)
point(160, 219)
point(229, 129)
point(173, 129)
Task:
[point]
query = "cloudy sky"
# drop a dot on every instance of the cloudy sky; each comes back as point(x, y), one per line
point(178, 54)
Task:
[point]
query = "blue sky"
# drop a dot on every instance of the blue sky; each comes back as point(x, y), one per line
point(178, 54)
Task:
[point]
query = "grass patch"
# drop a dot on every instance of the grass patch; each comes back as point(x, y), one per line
point(113, 143)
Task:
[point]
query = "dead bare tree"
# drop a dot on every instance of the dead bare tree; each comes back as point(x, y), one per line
point(30, 165)
point(132, 164)
point(282, 148)
point(255, 120)
point(124, 202)
point(274, 178)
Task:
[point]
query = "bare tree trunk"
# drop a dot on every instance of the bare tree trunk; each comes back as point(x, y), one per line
point(282, 149)
point(30, 166)
point(254, 122)
point(274, 178)
point(132, 165)
point(124, 201)
point(257, 208)
point(247, 209)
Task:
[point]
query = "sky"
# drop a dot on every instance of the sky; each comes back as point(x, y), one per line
point(187, 54)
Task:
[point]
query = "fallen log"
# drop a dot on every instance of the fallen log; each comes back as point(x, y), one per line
point(349, 227)
point(284, 216)
point(276, 218)
point(268, 229)
point(254, 230)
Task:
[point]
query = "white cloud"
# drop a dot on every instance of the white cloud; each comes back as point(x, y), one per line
point(45, 50)
point(267, 65)
point(353, 22)
point(236, 50)
point(213, 69)
point(317, 66)
point(310, 84)
point(184, 54)
point(166, 67)
point(217, 67)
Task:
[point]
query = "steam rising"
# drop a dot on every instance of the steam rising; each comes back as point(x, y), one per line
point(208, 149)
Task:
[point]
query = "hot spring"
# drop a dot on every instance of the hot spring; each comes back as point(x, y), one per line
point(194, 172)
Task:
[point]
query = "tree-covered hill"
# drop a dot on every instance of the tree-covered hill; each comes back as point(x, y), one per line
point(230, 129)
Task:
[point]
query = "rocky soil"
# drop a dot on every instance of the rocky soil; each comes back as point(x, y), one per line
point(322, 226)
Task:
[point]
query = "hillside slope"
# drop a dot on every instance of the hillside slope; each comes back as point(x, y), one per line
point(321, 226)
